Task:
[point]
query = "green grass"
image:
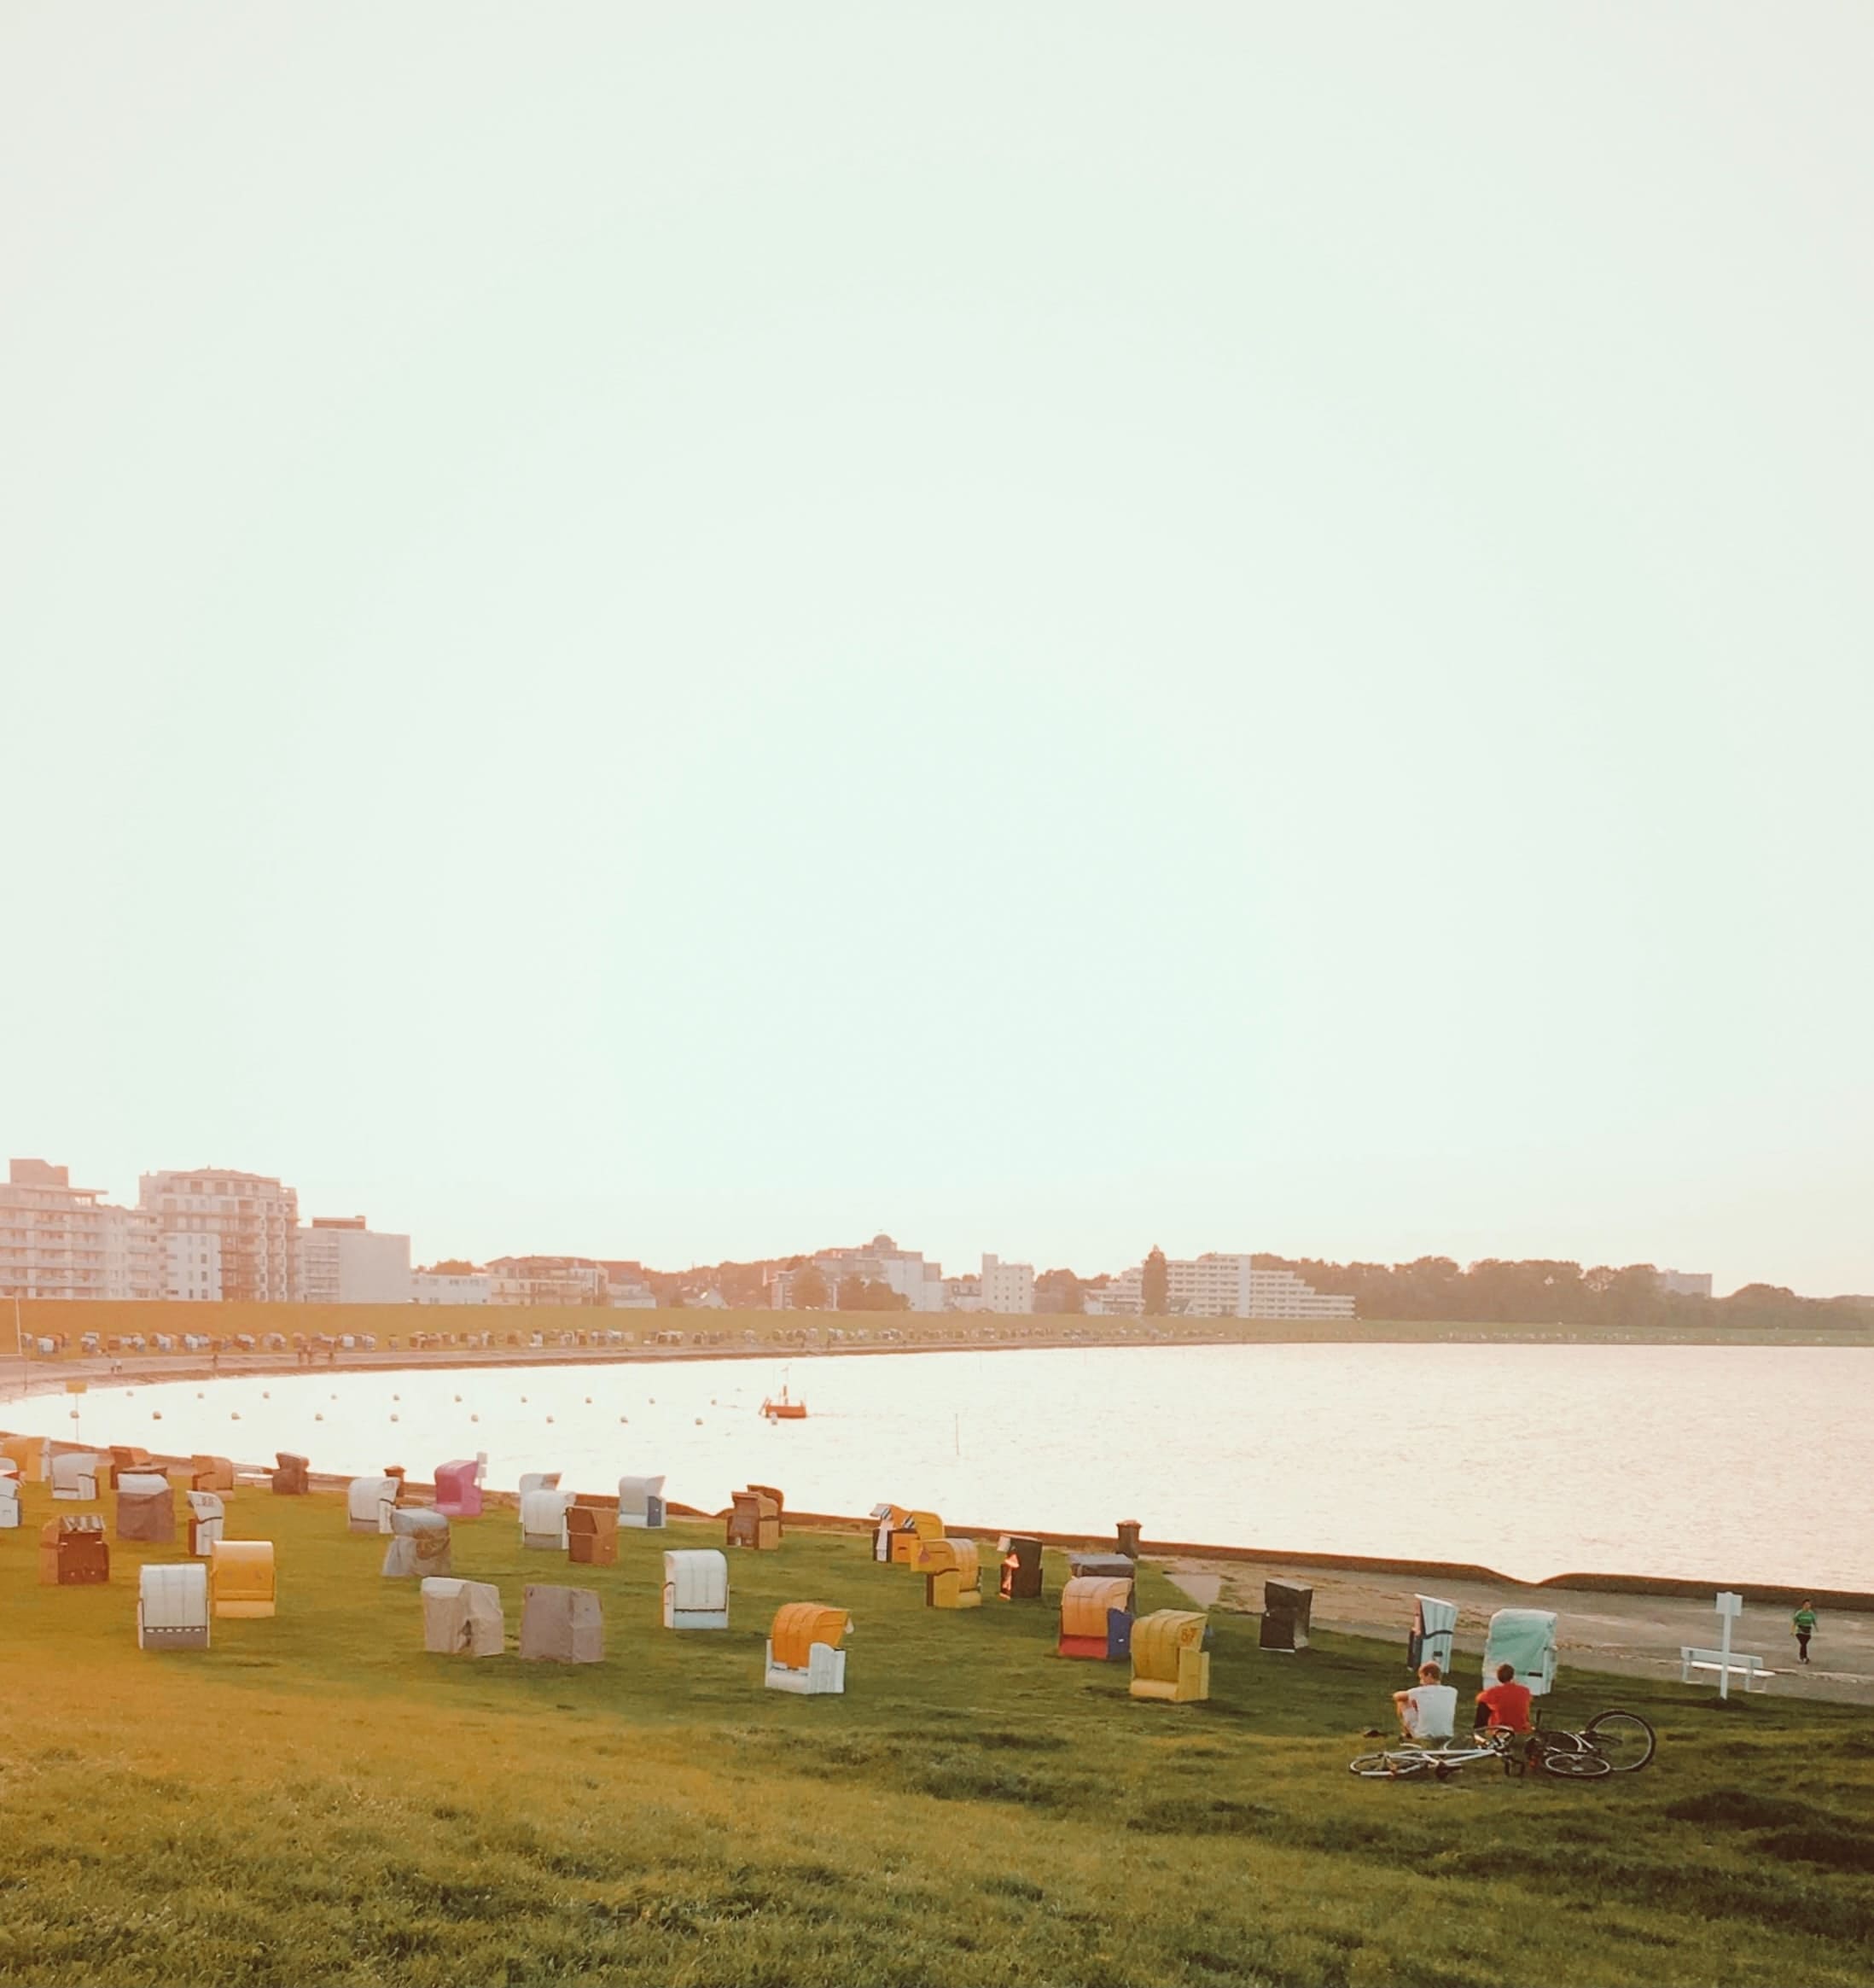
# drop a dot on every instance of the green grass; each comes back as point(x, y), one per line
point(315, 1799)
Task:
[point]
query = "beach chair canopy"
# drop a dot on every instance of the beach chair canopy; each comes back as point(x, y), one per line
point(74, 1475)
point(9, 1503)
point(1113, 1566)
point(798, 1625)
point(1158, 1638)
point(542, 1517)
point(635, 1493)
point(458, 1488)
point(1435, 1625)
point(210, 1473)
point(146, 1509)
point(242, 1578)
point(562, 1625)
point(369, 1501)
point(948, 1556)
point(419, 1543)
point(539, 1480)
point(291, 1473)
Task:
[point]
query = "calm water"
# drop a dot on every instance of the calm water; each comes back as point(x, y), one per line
point(1725, 1463)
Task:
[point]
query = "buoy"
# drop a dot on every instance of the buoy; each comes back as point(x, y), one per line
point(458, 1398)
point(318, 1418)
point(622, 1418)
point(393, 1418)
point(523, 1401)
point(397, 1397)
point(157, 1416)
point(474, 1418)
point(589, 1401)
point(550, 1418)
point(264, 1395)
point(236, 1416)
point(699, 1421)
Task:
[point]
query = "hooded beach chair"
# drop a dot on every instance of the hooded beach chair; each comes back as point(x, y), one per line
point(459, 1489)
point(1526, 1638)
point(920, 1530)
point(210, 1473)
point(207, 1517)
point(543, 1520)
point(241, 1579)
point(562, 1625)
point(640, 1503)
point(462, 1618)
point(1020, 1578)
point(952, 1574)
point(696, 1590)
point(755, 1519)
point(29, 1453)
point(146, 1508)
point(419, 1544)
point(172, 1607)
point(803, 1648)
point(1287, 1607)
point(74, 1553)
point(1434, 1624)
point(291, 1475)
point(886, 1522)
point(539, 1480)
point(1095, 1617)
point(1169, 1659)
point(1102, 1566)
point(126, 1457)
point(591, 1532)
point(370, 1502)
point(74, 1476)
point(9, 1503)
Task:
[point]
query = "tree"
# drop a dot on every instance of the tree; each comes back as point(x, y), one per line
point(1058, 1291)
point(1155, 1287)
point(810, 1293)
point(452, 1267)
point(858, 1293)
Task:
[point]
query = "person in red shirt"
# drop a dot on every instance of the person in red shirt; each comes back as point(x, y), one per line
point(1506, 1704)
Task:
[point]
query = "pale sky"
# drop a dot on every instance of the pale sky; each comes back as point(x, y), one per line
point(695, 631)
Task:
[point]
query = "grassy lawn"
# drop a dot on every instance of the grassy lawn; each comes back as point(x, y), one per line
point(315, 1799)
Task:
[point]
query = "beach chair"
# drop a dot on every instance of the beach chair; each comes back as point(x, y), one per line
point(804, 1652)
point(1526, 1638)
point(9, 1503)
point(74, 1553)
point(242, 1580)
point(920, 1530)
point(1095, 1617)
point(543, 1520)
point(210, 1473)
point(291, 1475)
point(562, 1625)
point(1169, 1660)
point(539, 1480)
point(419, 1544)
point(952, 1574)
point(887, 1521)
point(128, 1457)
point(28, 1454)
point(755, 1520)
point(1020, 1578)
point(458, 1488)
point(640, 1503)
point(462, 1618)
point(1435, 1627)
point(370, 1502)
point(146, 1508)
point(696, 1590)
point(591, 1532)
point(74, 1476)
point(207, 1517)
point(1286, 1608)
point(172, 1607)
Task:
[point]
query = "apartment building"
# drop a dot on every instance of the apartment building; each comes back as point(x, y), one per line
point(192, 1266)
point(61, 1241)
point(342, 1260)
point(625, 1287)
point(546, 1280)
point(451, 1287)
point(1686, 1283)
point(1216, 1286)
point(919, 1283)
point(1007, 1287)
point(254, 1218)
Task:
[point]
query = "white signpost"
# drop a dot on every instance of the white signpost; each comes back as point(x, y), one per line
point(1730, 1607)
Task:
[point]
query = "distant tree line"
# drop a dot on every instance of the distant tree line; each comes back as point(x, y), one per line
point(1543, 1291)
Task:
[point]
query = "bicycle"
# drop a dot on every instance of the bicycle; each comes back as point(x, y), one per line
point(1611, 1742)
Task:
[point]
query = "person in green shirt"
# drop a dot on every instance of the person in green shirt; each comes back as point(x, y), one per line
point(1803, 1622)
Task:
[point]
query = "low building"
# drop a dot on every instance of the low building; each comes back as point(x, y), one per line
point(450, 1287)
point(342, 1261)
point(61, 1241)
point(1216, 1286)
point(963, 1294)
point(906, 1272)
point(547, 1281)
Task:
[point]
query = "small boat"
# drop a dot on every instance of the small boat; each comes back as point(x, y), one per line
point(782, 1410)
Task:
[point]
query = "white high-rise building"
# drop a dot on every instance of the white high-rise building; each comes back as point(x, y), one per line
point(1007, 1287)
point(191, 1265)
point(61, 1241)
point(1219, 1286)
point(341, 1262)
point(254, 1218)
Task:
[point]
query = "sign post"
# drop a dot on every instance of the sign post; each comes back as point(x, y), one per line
point(1730, 1607)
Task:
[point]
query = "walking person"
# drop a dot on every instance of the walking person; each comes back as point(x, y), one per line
point(1803, 1622)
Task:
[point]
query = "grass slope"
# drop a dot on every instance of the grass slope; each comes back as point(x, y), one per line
point(317, 1800)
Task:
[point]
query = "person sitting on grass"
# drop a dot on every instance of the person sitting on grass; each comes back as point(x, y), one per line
point(1429, 1710)
point(1504, 1707)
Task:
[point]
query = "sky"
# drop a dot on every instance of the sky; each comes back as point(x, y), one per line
point(694, 632)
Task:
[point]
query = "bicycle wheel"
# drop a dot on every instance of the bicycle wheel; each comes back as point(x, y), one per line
point(1623, 1740)
point(1388, 1766)
point(1586, 1765)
